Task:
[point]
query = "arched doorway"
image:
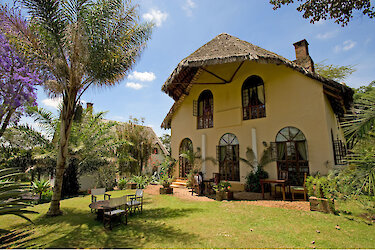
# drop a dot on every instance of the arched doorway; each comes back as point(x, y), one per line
point(228, 155)
point(185, 166)
point(292, 154)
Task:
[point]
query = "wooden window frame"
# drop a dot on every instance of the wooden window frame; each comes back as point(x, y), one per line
point(205, 117)
point(252, 111)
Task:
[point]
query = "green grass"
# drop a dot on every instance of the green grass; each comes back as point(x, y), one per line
point(168, 222)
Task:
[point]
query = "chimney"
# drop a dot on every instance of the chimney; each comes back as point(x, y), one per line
point(302, 55)
point(89, 105)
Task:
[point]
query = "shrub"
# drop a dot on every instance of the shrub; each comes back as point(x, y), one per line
point(46, 196)
point(70, 186)
point(106, 177)
point(141, 181)
point(165, 180)
point(122, 183)
point(253, 180)
point(320, 186)
point(39, 187)
point(222, 186)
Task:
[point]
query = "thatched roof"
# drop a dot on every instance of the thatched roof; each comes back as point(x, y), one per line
point(225, 48)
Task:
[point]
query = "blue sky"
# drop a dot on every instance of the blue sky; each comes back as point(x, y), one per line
point(182, 26)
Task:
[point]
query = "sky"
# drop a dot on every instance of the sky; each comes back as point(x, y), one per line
point(182, 26)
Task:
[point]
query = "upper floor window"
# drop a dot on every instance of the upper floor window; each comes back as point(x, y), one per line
point(205, 110)
point(253, 100)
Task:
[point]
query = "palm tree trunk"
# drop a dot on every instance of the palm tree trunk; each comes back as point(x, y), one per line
point(62, 157)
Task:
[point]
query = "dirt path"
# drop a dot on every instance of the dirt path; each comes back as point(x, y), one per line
point(184, 194)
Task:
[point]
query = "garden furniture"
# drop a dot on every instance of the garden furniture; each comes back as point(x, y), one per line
point(135, 201)
point(283, 183)
point(96, 192)
point(115, 209)
point(300, 189)
point(109, 210)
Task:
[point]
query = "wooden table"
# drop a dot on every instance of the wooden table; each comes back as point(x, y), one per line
point(99, 206)
point(269, 181)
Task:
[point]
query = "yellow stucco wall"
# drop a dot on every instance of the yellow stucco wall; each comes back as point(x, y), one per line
point(292, 99)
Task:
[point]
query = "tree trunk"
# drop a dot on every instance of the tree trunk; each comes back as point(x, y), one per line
point(6, 122)
point(62, 157)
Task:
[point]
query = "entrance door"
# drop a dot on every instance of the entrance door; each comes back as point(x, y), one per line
point(292, 154)
point(186, 147)
point(228, 156)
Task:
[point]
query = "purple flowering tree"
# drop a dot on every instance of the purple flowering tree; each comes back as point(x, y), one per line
point(17, 85)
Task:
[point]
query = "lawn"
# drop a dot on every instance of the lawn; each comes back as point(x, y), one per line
point(169, 222)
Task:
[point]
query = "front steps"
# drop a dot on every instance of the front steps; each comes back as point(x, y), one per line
point(179, 183)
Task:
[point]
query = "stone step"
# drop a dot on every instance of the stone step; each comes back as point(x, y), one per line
point(177, 186)
point(178, 183)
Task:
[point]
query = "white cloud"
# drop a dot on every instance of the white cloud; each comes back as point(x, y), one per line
point(53, 103)
point(348, 45)
point(188, 7)
point(345, 46)
point(142, 76)
point(327, 35)
point(134, 85)
point(155, 16)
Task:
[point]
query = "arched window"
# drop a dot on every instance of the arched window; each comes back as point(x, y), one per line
point(186, 146)
point(253, 98)
point(292, 154)
point(205, 110)
point(228, 156)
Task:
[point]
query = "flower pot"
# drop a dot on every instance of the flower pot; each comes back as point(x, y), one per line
point(167, 190)
point(219, 196)
point(131, 185)
point(228, 195)
point(322, 205)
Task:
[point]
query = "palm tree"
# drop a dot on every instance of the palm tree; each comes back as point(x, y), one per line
point(76, 44)
point(11, 191)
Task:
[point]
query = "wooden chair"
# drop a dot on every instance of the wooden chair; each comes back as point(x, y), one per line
point(300, 189)
point(116, 210)
point(283, 175)
point(96, 192)
point(135, 201)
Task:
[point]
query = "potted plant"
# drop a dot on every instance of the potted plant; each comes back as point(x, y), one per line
point(222, 191)
point(320, 194)
point(166, 182)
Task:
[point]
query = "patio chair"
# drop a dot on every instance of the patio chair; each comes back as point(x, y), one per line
point(96, 192)
point(135, 201)
point(300, 189)
point(115, 210)
point(283, 175)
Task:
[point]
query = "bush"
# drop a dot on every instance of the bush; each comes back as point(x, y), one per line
point(320, 186)
point(106, 177)
point(222, 186)
point(122, 183)
point(46, 196)
point(39, 187)
point(253, 180)
point(141, 181)
point(70, 186)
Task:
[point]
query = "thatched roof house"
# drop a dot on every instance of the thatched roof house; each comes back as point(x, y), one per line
point(225, 48)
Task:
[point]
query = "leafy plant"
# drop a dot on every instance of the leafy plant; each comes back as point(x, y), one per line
point(141, 180)
point(39, 187)
point(11, 192)
point(165, 181)
point(253, 178)
point(223, 186)
point(106, 177)
point(122, 183)
point(320, 186)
